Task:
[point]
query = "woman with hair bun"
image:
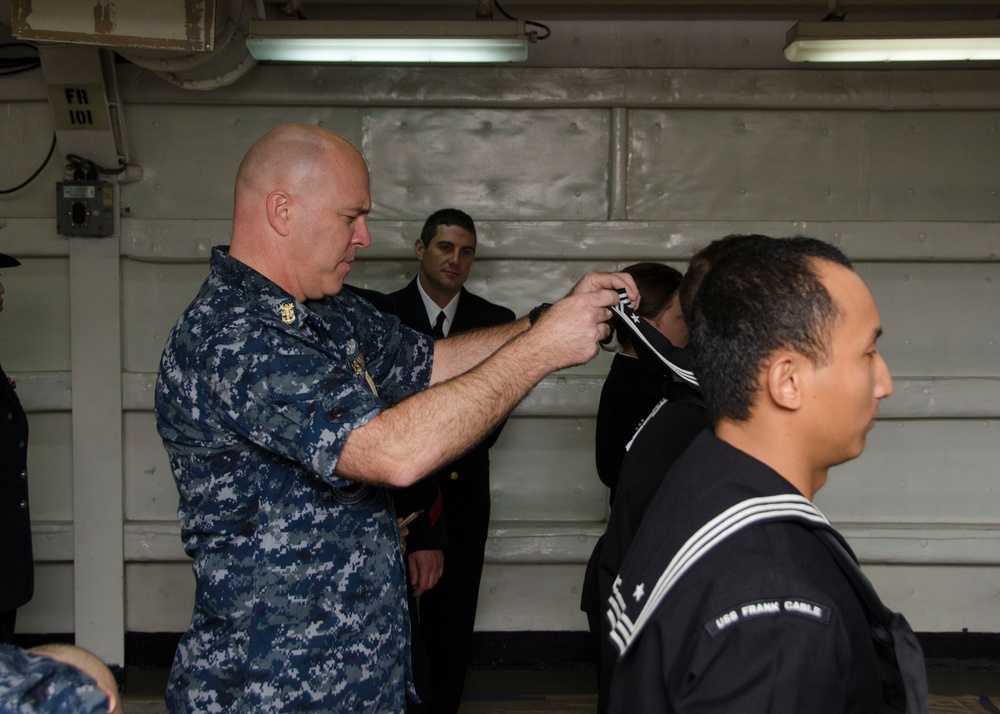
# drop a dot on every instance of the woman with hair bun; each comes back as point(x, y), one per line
point(633, 387)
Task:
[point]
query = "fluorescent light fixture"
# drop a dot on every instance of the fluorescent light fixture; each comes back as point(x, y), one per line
point(388, 41)
point(902, 41)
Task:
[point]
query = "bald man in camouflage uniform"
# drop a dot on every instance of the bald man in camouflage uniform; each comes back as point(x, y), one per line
point(286, 406)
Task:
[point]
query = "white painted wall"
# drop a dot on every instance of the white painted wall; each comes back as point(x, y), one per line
point(564, 170)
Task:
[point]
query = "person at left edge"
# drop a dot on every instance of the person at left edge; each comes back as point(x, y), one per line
point(633, 387)
point(16, 563)
point(446, 250)
point(286, 406)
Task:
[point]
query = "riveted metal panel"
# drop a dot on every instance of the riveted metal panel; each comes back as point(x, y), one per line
point(943, 89)
point(32, 237)
point(51, 607)
point(420, 86)
point(939, 319)
point(547, 541)
point(566, 394)
point(544, 541)
point(179, 240)
point(544, 470)
point(138, 389)
point(655, 42)
point(975, 398)
point(512, 597)
point(833, 89)
point(154, 540)
point(345, 85)
point(43, 391)
point(935, 166)
point(940, 598)
point(24, 86)
point(52, 541)
point(35, 332)
point(50, 466)
point(543, 164)
point(526, 597)
point(886, 241)
point(920, 543)
point(159, 597)
point(899, 477)
point(189, 156)
point(173, 240)
point(848, 166)
point(154, 296)
point(150, 492)
point(26, 135)
point(747, 165)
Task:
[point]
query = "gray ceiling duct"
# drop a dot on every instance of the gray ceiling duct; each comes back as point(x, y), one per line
point(224, 64)
point(195, 44)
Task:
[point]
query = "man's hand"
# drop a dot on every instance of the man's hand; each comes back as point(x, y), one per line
point(477, 378)
point(426, 568)
point(568, 333)
point(607, 281)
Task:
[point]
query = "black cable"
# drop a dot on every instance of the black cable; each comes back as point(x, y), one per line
point(20, 64)
point(87, 170)
point(24, 68)
point(32, 177)
point(526, 22)
point(17, 64)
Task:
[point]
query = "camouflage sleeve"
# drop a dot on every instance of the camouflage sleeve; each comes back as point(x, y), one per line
point(291, 400)
point(34, 684)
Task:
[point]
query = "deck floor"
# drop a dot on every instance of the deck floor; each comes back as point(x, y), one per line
point(572, 691)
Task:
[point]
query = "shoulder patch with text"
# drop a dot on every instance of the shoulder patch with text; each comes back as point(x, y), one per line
point(774, 607)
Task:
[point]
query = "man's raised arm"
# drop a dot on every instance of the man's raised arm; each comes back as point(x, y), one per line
point(478, 378)
point(458, 354)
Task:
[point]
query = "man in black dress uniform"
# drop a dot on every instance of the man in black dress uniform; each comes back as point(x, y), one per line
point(17, 580)
point(736, 593)
point(436, 303)
point(661, 439)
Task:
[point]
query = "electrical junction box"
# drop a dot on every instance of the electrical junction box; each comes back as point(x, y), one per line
point(85, 208)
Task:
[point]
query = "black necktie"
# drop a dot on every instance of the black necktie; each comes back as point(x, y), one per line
point(438, 331)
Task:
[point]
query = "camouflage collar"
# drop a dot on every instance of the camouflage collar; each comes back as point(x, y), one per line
point(272, 299)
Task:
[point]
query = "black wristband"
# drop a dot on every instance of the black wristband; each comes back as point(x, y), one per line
point(536, 312)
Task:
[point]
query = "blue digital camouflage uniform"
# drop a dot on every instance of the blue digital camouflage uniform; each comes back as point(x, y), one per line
point(300, 602)
point(33, 684)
